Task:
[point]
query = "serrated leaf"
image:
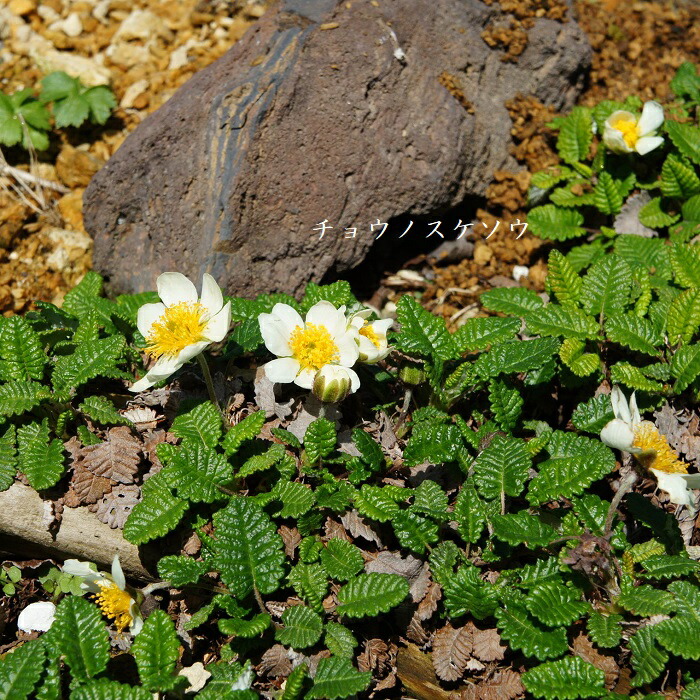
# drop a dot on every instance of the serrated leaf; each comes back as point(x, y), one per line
point(247, 550)
point(181, 570)
point(685, 262)
point(654, 214)
point(648, 659)
point(479, 333)
point(201, 423)
point(41, 459)
point(633, 377)
point(413, 531)
point(470, 513)
point(669, 566)
point(310, 583)
point(605, 289)
point(633, 332)
point(523, 528)
point(21, 353)
point(681, 634)
point(646, 601)
point(432, 442)
point(104, 689)
point(261, 462)
point(297, 498)
point(229, 680)
point(465, 592)
point(245, 629)
point(336, 678)
point(81, 635)
point(340, 640)
point(553, 223)
point(686, 138)
point(156, 650)
point(429, 499)
point(565, 679)
point(371, 594)
point(197, 471)
point(685, 366)
point(563, 280)
point(514, 301)
point(21, 670)
point(339, 294)
point(516, 356)
point(319, 439)
point(523, 632)
point(678, 179)
point(580, 363)
point(102, 101)
point(684, 316)
point(605, 630)
point(607, 197)
point(557, 320)
point(502, 468)
point(575, 135)
point(157, 514)
point(18, 397)
point(341, 560)
point(91, 359)
point(575, 463)
point(422, 333)
point(555, 605)
point(101, 410)
point(8, 457)
point(302, 627)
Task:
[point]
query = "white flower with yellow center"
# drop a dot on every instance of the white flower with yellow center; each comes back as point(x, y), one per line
point(109, 592)
point(641, 438)
point(304, 346)
point(624, 133)
point(181, 325)
point(371, 336)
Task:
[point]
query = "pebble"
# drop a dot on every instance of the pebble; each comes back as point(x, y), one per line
point(520, 271)
point(71, 26)
point(21, 7)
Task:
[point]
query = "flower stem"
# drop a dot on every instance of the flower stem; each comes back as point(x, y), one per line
point(625, 487)
point(208, 380)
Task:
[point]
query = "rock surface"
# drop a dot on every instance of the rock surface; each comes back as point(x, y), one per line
point(325, 110)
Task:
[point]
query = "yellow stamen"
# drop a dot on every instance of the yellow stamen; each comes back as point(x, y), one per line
point(628, 127)
point(313, 346)
point(371, 334)
point(657, 453)
point(180, 325)
point(115, 603)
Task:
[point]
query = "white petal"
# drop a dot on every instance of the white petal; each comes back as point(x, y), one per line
point(615, 141)
point(212, 298)
point(137, 624)
point(188, 352)
point(162, 369)
point(368, 350)
point(382, 326)
point(348, 352)
point(77, 568)
point(174, 288)
point(117, 573)
point(37, 617)
point(620, 406)
point(634, 411)
point(618, 434)
point(325, 314)
point(282, 370)
point(147, 315)
point(305, 378)
point(354, 380)
point(289, 317)
point(648, 143)
point(693, 480)
point(675, 486)
point(652, 118)
point(275, 334)
point(218, 325)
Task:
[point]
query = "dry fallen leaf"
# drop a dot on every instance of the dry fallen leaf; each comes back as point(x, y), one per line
point(275, 662)
point(505, 685)
point(355, 524)
point(89, 487)
point(584, 648)
point(452, 649)
point(487, 645)
point(117, 505)
point(117, 458)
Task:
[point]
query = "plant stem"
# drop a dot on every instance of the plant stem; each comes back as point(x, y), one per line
point(208, 380)
point(625, 487)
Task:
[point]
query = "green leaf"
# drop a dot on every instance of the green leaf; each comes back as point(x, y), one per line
point(297, 498)
point(155, 515)
point(201, 423)
point(302, 627)
point(523, 632)
point(678, 179)
point(646, 601)
point(633, 377)
point(685, 366)
point(336, 677)
point(247, 550)
point(197, 471)
point(684, 316)
point(261, 462)
point(516, 356)
point(605, 630)
point(246, 629)
point(319, 439)
point(502, 467)
point(681, 634)
point(340, 640)
point(470, 513)
point(686, 83)
point(57, 85)
point(101, 410)
point(18, 397)
point(71, 111)
point(565, 679)
point(432, 442)
point(294, 684)
point(104, 689)
point(20, 671)
point(8, 457)
point(555, 605)
point(685, 261)
point(91, 359)
point(563, 280)
point(370, 450)
point(580, 363)
point(607, 197)
point(310, 583)
point(669, 566)
point(102, 101)
point(514, 301)
point(606, 287)
point(557, 320)
point(654, 214)
point(429, 499)
point(341, 560)
point(156, 650)
point(40, 458)
point(21, 353)
point(339, 294)
point(422, 333)
point(633, 332)
point(371, 594)
point(575, 135)
point(553, 223)
point(181, 570)
point(229, 681)
point(575, 463)
point(478, 333)
point(465, 592)
point(81, 635)
point(686, 138)
point(413, 531)
point(648, 659)
point(523, 528)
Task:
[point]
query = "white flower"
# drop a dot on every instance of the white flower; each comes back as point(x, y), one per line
point(181, 325)
point(332, 384)
point(304, 346)
point(110, 593)
point(624, 133)
point(371, 336)
point(641, 438)
point(37, 617)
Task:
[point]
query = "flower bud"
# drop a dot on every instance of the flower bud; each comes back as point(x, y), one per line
point(412, 374)
point(332, 383)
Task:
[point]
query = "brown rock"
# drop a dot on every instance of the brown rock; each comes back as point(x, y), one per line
point(76, 167)
point(351, 125)
point(70, 207)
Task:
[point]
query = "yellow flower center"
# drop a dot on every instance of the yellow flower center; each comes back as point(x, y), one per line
point(313, 346)
point(628, 127)
point(180, 325)
point(115, 603)
point(657, 453)
point(371, 334)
